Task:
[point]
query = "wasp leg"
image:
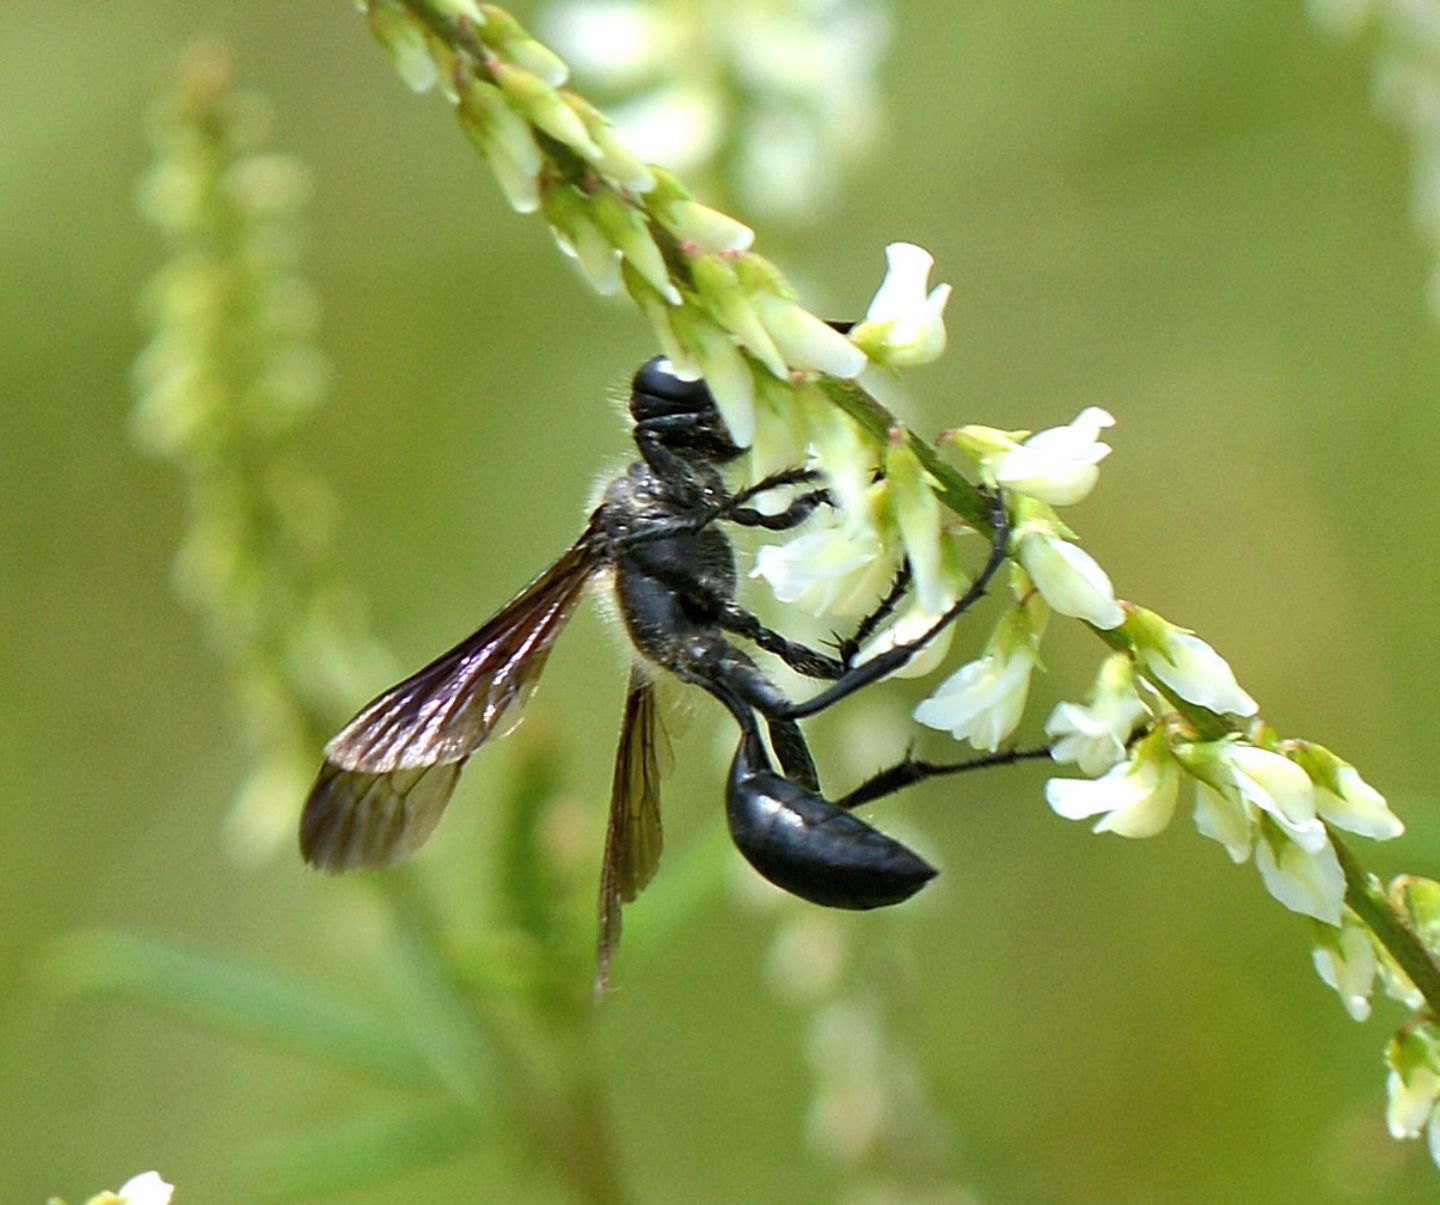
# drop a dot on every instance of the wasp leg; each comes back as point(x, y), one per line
point(801, 508)
point(912, 770)
point(801, 658)
point(849, 648)
point(790, 747)
point(860, 676)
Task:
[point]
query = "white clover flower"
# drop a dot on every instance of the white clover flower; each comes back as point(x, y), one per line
point(1346, 962)
point(703, 229)
point(622, 224)
point(1094, 735)
point(1068, 578)
point(1259, 781)
point(538, 100)
point(506, 140)
point(404, 39)
point(1251, 798)
point(1136, 798)
point(1275, 785)
point(1412, 1099)
point(1344, 798)
point(1357, 807)
point(905, 323)
point(983, 701)
point(1187, 665)
point(725, 370)
point(805, 341)
point(145, 1189)
point(1225, 818)
point(846, 455)
point(837, 566)
point(1059, 466)
point(1308, 881)
point(581, 240)
point(918, 515)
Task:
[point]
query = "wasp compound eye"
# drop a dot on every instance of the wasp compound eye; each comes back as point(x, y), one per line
point(809, 847)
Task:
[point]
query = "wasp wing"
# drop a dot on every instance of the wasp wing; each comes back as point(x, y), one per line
point(389, 773)
point(633, 836)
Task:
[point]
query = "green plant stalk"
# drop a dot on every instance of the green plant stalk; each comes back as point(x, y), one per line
point(549, 1072)
point(1383, 920)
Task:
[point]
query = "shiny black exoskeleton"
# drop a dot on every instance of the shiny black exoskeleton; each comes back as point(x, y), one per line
point(658, 530)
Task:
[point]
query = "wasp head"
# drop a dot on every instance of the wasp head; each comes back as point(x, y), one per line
point(677, 414)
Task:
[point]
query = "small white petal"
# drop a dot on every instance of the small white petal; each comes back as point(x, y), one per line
point(1411, 1101)
point(146, 1189)
point(831, 569)
point(1308, 883)
point(1276, 785)
point(910, 319)
point(1358, 808)
point(731, 384)
point(981, 702)
point(1058, 465)
point(1134, 799)
point(805, 341)
point(910, 626)
point(906, 280)
point(1094, 737)
point(1224, 819)
point(1198, 674)
point(1350, 969)
point(1070, 580)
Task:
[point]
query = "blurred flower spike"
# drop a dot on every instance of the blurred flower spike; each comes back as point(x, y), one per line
point(770, 99)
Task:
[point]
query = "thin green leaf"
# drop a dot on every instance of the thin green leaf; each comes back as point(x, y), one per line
point(365, 1150)
point(206, 990)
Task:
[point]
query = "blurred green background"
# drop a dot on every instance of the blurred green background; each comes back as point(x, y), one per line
point(1187, 214)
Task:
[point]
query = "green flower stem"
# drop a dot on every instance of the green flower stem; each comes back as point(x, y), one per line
point(1371, 905)
point(549, 1072)
point(952, 489)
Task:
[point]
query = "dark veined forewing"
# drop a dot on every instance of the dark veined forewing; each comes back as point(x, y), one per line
point(389, 773)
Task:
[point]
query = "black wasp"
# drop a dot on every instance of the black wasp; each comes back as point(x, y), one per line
point(389, 773)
